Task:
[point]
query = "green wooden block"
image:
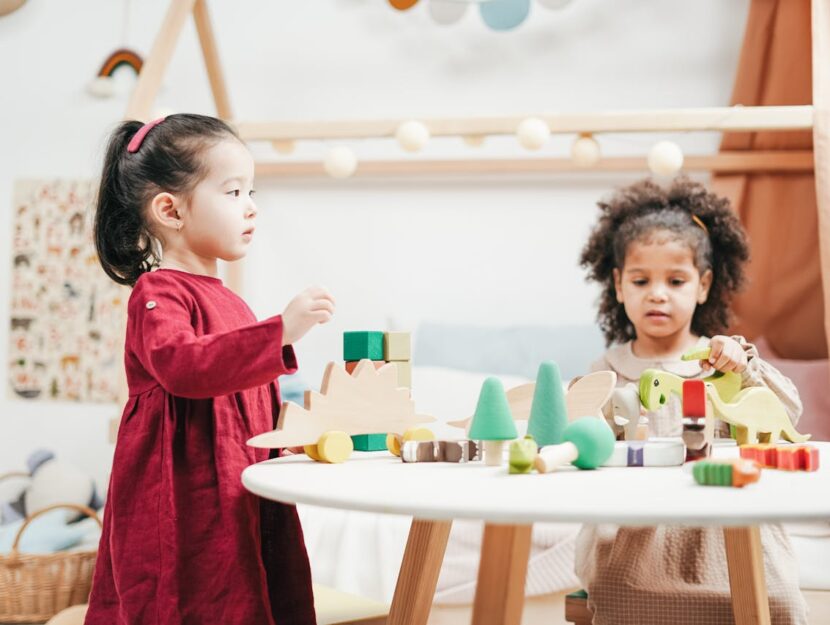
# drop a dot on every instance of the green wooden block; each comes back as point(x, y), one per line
point(369, 442)
point(712, 473)
point(360, 345)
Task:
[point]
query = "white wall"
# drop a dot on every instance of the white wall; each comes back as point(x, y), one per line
point(486, 250)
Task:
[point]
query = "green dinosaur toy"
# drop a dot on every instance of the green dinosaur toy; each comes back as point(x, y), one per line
point(752, 411)
point(727, 384)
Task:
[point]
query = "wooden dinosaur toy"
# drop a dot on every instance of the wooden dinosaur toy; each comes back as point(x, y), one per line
point(755, 411)
point(367, 401)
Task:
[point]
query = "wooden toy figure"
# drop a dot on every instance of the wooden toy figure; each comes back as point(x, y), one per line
point(622, 413)
point(362, 403)
point(548, 413)
point(647, 454)
point(755, 411)
point(492, 421)
point(588, 442)
point(698, 424)
point(522, 455)
point(736, 473)
point(786, 457)
point(439, 451)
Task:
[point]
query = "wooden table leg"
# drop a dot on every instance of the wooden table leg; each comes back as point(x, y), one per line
point(419, 572)
point(500, 593)
point(745, 560)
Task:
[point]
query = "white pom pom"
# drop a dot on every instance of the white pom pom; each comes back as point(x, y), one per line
point(585, 151)
point(665, 158)
point(533, 133)
point(340, 162)
point(102, 87)
point(412, 135)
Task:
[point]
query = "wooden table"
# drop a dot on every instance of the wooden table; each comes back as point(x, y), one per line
point(436, 493)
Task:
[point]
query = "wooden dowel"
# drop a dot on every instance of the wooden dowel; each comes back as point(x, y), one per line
point(725, 162)
point(149, 79)
point(725, 118)
point(212, 63)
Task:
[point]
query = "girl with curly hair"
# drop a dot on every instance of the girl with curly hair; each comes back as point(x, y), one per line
point(668, 261)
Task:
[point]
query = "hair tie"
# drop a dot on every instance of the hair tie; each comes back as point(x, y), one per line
point(138, 137)
point(700, 223)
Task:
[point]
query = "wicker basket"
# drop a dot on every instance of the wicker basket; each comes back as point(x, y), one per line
point(33, 588)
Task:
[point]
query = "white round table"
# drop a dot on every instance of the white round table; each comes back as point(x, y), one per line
point(436, 493)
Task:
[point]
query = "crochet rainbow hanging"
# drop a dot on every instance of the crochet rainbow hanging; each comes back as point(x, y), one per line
point(120, 57)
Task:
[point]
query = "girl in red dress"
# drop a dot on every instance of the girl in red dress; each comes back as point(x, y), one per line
point(183, 542)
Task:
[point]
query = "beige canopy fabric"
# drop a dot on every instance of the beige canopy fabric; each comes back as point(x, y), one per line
point(784, 301)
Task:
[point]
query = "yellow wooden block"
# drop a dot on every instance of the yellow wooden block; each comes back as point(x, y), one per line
point(397, 346)
point(404, 374)
point(393, 444)
point(311, 452)
point(334, 607)
point(418, 434)
point(335, 447)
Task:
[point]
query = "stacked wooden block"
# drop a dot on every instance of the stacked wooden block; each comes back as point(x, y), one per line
point(381, 348)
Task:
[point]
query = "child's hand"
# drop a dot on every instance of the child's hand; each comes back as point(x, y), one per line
point(292, 451)
point(727, 355)
point(312, 306)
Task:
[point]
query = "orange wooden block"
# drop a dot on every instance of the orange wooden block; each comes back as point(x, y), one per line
point(351, 365)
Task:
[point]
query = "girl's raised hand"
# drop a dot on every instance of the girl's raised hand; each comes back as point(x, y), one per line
point(310, 307)
point(726, 355)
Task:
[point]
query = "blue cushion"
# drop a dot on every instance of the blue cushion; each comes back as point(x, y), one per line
point(48, 533)
point(508, 350)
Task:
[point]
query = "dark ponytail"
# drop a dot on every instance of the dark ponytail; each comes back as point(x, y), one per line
point(168, 159)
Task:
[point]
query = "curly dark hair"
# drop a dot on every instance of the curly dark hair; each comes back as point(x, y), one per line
point(636, 213)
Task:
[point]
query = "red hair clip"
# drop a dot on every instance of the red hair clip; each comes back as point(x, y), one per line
point(138, 137)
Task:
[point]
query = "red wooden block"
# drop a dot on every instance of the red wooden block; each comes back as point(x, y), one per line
point(694, 398)
point(764, 454)
point(800, 458)
point(351, 365)
point(785, 457)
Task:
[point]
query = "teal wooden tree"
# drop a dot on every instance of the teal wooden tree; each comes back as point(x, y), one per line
point(548, 413)
point(493, 421)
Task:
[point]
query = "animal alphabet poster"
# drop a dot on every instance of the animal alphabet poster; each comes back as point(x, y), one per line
point(65, 339)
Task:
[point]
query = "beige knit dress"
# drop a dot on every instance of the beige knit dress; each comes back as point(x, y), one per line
point(678, 575)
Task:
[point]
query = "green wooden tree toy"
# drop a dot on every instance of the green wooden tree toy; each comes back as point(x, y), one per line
point(548, 412)
point(492, 421)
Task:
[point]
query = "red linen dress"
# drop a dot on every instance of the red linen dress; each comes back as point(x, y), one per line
point(183, 541)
